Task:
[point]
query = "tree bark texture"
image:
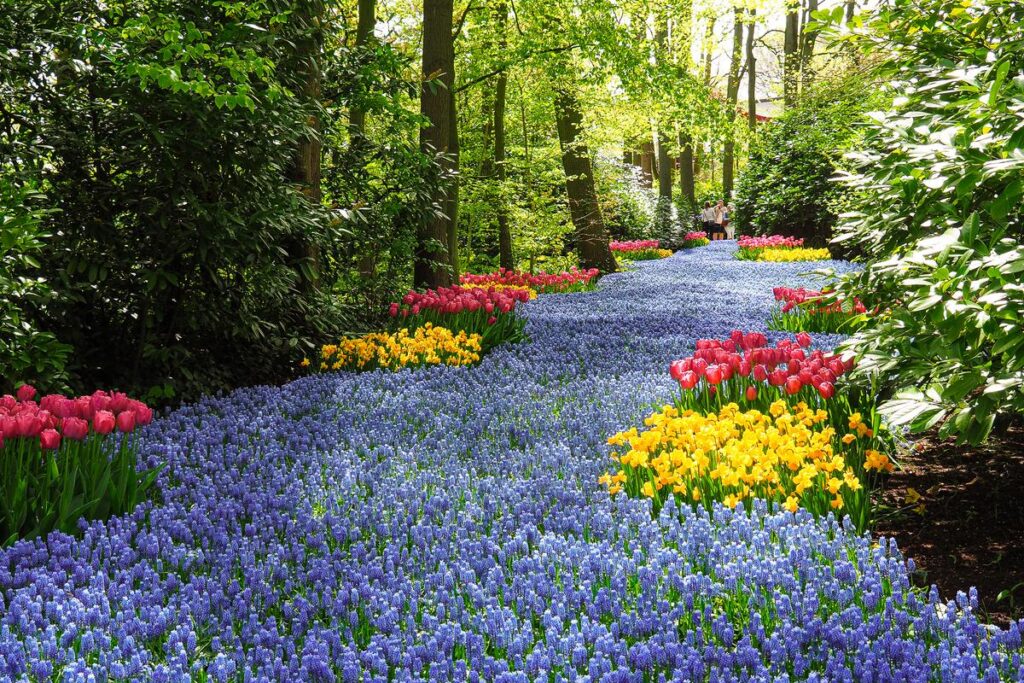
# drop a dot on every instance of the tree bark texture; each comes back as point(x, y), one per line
point(591, 235)
point(432, 265)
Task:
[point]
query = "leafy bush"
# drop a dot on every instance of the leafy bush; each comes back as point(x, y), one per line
point(786, 187)
point(26, 352)
point(942, 177)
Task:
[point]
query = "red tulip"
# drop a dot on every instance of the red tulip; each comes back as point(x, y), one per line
point(688, 380)
point(143, 414)
point(126, 421)
point(760, 373)
point(827, 390)
point(74, 428)
point(26, 392)
point(713, 374)
point(803, 339)
point(676, 369)
point(700, 366)
point(103, 421)
point(49, 439)
point(793, 385)
point(744, 368)
point(751, 393)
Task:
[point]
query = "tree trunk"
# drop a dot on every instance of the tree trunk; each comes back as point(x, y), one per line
point(364, 30)
point(305, 168)
point(790, 58)
point(732, 97)
point(664, 168)
point(709, 36)
point(807, 39)
point(452, 199)
point(647, 163)
point(431, 266)
point(591, 235)
point(751, 75)
point(686, 184)
point(851, 8)
point(505, 259)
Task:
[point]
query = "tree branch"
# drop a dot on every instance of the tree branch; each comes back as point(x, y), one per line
point(505, 65)
point(462, 21)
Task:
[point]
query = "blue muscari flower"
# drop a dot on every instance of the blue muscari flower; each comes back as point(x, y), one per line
point(446, 524)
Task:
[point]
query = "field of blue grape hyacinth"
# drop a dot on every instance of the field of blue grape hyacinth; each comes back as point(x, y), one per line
point(446, 524)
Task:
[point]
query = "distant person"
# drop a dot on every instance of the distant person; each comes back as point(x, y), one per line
point(719, 217)
point(708, 216)
point(726, 210)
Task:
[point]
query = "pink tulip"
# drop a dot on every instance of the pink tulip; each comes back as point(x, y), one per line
point(49, 439)
point(26, 392)
point(74, 428)
point(126, 421)
point(103, 421)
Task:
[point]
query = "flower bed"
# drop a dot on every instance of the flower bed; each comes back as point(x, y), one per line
point(695, 239)
point(777, 248)
point(426, 345)
point(807, 310)
point(448, 525)
point(731, 457)
point(63, 459)
point(474, 310)
point(573, 280)
point(639, 250)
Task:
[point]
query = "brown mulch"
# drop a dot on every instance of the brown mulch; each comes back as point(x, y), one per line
point(967, 528)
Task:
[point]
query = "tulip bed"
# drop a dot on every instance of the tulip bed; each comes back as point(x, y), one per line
point(694, 239)
point(639, 250)
point(810, 310)
point(447, 525)
point(472, 309)
point(62, 459)
point(777, 248)
point(573, 280)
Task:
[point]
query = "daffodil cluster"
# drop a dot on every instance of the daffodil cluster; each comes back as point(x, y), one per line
point(787, 456)
point(426, 345)
point(793, 254)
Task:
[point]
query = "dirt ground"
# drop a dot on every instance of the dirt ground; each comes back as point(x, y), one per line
point(958, 511)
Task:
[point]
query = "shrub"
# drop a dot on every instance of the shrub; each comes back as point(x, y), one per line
point(941, 177)
point(786, 188)
point(63, 462)
point(25, 350)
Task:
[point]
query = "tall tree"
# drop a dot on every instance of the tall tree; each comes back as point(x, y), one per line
point(751, 74)
point(686, 181)
point(808, 36)
point(304, 170)
point(732, 98)
point(791, 54)
point(647, 163)
point(591, 236)
point(505, 259)
point(432, 262)
point(364, 31)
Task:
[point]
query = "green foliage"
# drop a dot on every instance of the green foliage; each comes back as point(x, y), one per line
point(185, 258)
point(942, 178)
point(27, 353)
point(787, 187)
point(628, 208)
